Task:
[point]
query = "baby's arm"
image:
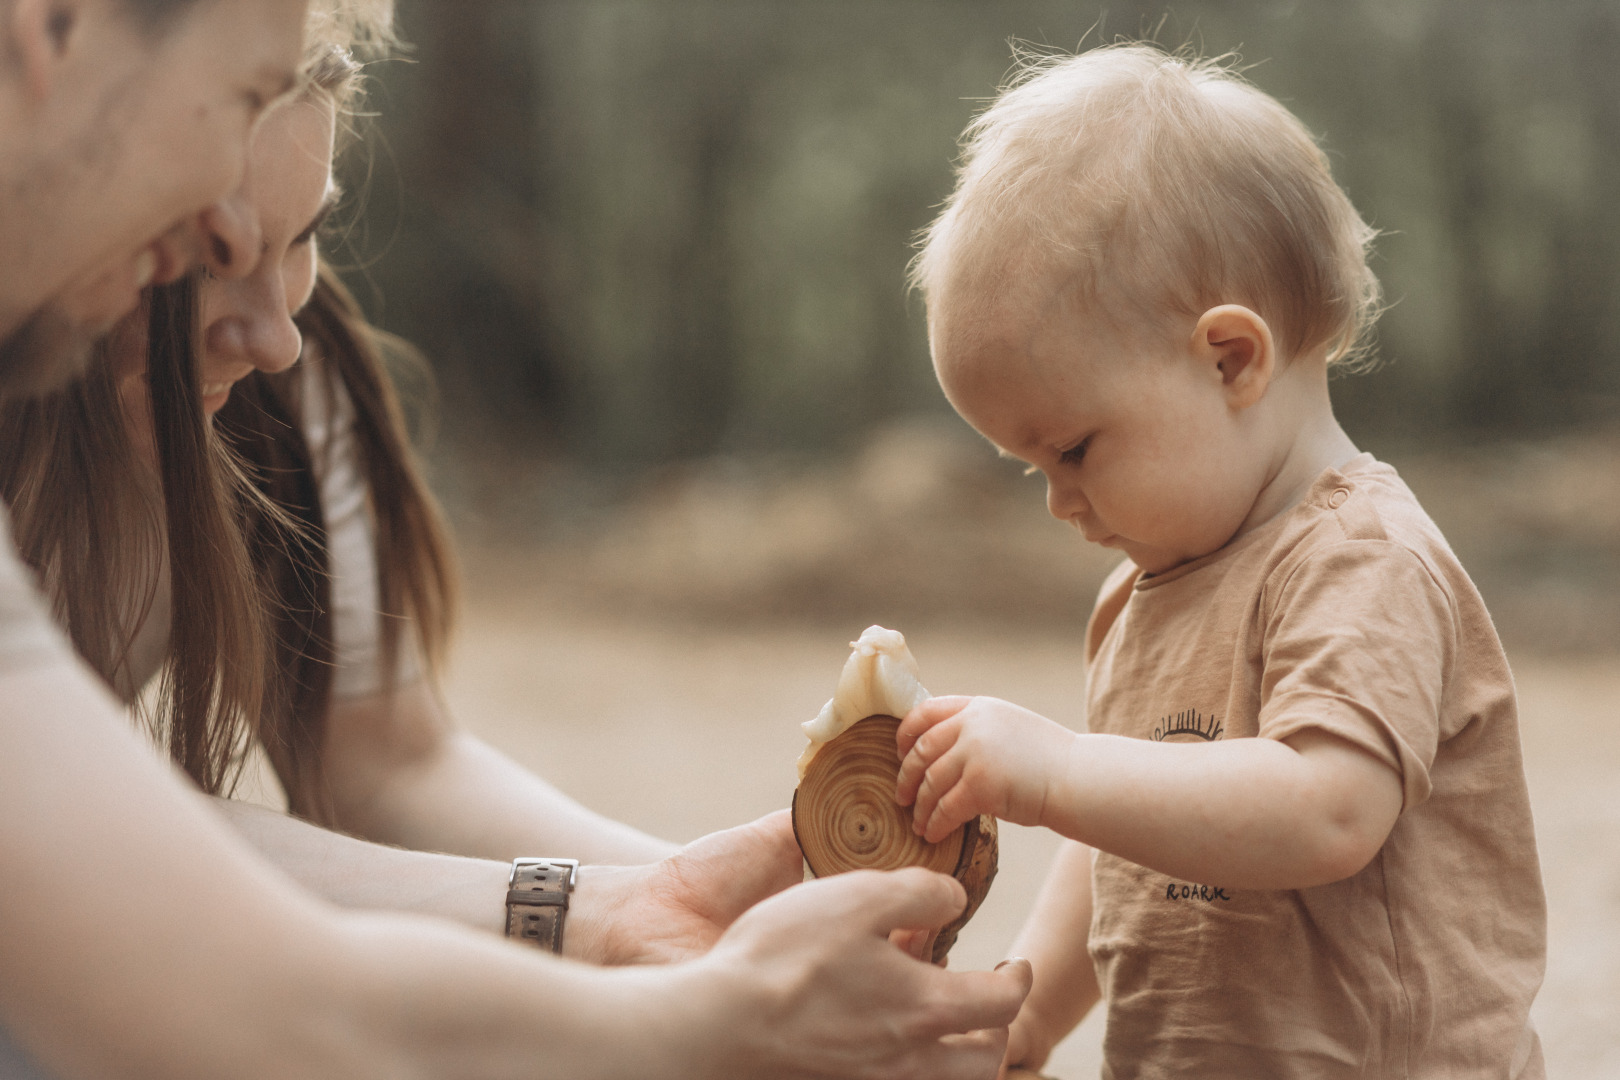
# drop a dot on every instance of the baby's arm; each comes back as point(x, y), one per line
point(1053, 940)
point(1254, 813)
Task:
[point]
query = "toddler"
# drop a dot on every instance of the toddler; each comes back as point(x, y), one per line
point(1302, 843)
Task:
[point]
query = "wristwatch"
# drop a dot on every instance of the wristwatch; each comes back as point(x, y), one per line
point(537, 900)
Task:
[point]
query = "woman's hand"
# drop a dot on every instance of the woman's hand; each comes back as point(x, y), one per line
point(816, 990)
point(962, 757)
point(677, 908)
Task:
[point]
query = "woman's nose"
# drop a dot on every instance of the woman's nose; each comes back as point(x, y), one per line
point(231, 239)
point(257, 330)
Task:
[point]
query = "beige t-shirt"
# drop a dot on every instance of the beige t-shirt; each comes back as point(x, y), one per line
point(1348, 614)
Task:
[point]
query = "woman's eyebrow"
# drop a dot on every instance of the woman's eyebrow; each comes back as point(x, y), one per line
point(318, 220)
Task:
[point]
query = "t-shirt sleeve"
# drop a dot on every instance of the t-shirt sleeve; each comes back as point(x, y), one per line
point(1358, 642)
point(1112, 597)
point(28, 636)
point(351, 538)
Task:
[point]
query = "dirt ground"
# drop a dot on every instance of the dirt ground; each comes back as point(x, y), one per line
point(686, 728)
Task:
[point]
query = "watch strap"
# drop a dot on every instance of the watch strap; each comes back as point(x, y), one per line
point(537, 901)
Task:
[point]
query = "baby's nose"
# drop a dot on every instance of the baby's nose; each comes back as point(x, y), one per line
point(1065, 504)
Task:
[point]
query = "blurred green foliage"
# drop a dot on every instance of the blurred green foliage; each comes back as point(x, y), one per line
point(639, 231)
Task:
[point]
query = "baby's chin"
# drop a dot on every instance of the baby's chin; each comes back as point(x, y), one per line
point(1154, 560)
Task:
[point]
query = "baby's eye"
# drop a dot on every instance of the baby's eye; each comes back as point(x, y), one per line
point(1075, 454)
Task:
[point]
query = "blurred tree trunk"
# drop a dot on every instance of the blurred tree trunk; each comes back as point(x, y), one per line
point(647, 230)
point(469, 279)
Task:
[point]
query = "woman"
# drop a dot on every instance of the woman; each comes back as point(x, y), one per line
point(228, 583)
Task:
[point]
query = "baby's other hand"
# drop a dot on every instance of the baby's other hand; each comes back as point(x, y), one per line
point(1027, 1048)
point(962, 757)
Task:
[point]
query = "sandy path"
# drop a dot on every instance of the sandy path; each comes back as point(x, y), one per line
point(681, 731)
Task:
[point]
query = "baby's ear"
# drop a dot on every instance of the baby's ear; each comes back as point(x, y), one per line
point(1236, 344)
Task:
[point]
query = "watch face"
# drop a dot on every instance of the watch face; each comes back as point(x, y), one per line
point(540, 874)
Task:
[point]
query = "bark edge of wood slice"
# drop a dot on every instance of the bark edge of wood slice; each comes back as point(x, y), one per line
point(845, 818)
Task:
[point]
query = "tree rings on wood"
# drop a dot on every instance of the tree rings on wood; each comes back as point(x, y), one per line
point(845, 818)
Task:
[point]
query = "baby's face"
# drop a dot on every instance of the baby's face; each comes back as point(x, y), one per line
point(1140, 447)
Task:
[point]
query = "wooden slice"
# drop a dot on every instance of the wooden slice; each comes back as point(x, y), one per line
point(845, 818)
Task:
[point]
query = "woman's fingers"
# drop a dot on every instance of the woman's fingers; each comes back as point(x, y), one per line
point(727, 872)
point(858, 1005)
point(873, 903)
point(978, 1000)
point(910, 899)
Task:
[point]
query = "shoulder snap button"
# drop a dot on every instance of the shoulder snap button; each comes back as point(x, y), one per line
point(1336, 499)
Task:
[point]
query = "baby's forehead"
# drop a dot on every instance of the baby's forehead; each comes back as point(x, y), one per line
point(995, 285)
point(970, 329)
point(995, 311)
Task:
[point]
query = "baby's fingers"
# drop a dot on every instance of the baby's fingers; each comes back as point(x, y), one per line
point(925, 716)
point(912, 770)
point(941, 777)
point(957, 806)
point(925, 750)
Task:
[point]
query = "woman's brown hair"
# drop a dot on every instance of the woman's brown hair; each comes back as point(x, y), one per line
point(250, 647)
point(416, 579)
point(93, 523)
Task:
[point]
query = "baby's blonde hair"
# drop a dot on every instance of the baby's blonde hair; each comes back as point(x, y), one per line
point(1154, 184)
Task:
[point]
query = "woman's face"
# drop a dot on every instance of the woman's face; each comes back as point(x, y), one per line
point(247, 322)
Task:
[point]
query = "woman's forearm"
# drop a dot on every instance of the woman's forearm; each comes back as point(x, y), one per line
point(358, 874)
point(399, 772)
point(656, 913)
point(495, 808)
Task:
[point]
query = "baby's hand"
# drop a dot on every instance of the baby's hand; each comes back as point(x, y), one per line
point(962, 757)
point(1027, 1047)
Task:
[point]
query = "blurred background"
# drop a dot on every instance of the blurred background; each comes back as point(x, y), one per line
point(655, 249)
point(687, 429)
